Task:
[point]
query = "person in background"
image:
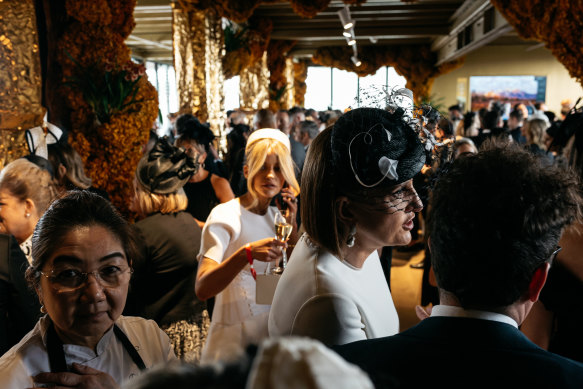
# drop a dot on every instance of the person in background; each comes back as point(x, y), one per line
point(555, 321)
point(298, 153)
point(162, 288)
point(455, 115)
point(357, 197)
point(263, 118)
point(308, 131)
point(26, 191)
point(82, 254)
point(463, 146)
point(69, 170)
point(282, 121)
point(491, 254)
point(534, 131)
point(515, 123)
point(296, 115)
point(234, 158)
point(205, 189)
point(238, 242)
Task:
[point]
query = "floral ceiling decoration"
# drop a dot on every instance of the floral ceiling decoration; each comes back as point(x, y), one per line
point(276, 63)
point(556, 23)
point(107, 133)
point(245, 45)
point(415, 63)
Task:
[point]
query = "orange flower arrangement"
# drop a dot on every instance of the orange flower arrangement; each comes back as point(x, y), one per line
point(556, 23)
point(110, 151)
point(415, 63)
point(276, 55)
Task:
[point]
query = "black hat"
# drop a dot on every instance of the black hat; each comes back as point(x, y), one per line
point(378, 147)
point(166, 168)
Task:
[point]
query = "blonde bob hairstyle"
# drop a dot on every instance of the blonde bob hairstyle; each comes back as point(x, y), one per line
point(255, 156)
point(147, 203)
point(25, 180)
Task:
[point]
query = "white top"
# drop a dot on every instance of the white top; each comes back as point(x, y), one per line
point(29, 357)
point(26, 248)
point(237, 321)
point(453, 311)
point(325, 298)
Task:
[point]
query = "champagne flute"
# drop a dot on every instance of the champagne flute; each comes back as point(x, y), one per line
point(283, 230)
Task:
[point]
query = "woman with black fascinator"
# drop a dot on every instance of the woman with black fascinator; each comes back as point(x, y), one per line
point(357, 197)
point(164, 277)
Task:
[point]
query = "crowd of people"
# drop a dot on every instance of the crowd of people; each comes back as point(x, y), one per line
point(313, 203)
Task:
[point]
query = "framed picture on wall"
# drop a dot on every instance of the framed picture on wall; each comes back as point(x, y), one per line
point(506, 89)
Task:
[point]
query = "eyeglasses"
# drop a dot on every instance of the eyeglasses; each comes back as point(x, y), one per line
point(554, 255)
point(69, 280)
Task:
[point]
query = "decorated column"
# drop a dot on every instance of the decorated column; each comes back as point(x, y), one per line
point(253, 86)
point(288, 96)
point(20, 77)
point(198, 49)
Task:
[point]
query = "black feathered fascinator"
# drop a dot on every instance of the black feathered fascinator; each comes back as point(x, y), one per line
point(166, 168)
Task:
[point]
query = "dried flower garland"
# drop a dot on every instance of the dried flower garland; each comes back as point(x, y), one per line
point(415, 63)
point(556, 23)
point(110, 150)
point(276, 55)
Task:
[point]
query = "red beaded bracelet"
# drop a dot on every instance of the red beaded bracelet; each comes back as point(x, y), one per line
point(250, 260)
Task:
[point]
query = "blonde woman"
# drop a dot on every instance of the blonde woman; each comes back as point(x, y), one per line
point(26, 191)
point(238, 241)
point(534, 131)
point(164, 279)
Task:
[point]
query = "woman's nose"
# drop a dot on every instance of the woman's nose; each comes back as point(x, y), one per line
point(415, 204)
point(93, 288)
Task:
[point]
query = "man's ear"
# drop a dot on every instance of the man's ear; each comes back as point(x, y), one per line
point(538, 281)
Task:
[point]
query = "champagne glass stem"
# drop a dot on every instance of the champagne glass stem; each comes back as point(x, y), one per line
point(284, 257)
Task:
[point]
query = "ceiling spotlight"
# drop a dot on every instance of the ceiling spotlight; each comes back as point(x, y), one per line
point(345, 19)
point(348, 33)
point(355, 60)
point(355, 49)
point(351, 41)
point(373, 39)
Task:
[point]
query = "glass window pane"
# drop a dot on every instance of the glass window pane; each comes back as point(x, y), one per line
point(231, 90)
point(317, 88)
point(345, 89)
point(396, 80)
point(373, 84)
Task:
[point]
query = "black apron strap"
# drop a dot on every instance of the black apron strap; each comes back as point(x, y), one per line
point(55, 350)
point(56, 353)
point(129, 347)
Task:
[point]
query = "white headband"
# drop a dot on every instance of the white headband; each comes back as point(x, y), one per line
point(268, 133)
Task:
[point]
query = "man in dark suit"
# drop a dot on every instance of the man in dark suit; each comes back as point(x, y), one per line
point(496, 218)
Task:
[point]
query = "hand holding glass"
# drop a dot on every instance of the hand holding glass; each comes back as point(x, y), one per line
point(283, 230)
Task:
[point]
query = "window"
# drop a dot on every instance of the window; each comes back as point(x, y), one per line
point(339, 89)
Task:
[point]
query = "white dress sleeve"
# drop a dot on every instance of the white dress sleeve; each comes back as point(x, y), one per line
point(218, 232)
point(331, 318)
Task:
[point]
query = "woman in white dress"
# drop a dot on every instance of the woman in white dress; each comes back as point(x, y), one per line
point(238, 242)
point(357, 197)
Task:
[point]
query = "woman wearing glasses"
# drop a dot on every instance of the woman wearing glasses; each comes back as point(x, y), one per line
point(82, 255)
